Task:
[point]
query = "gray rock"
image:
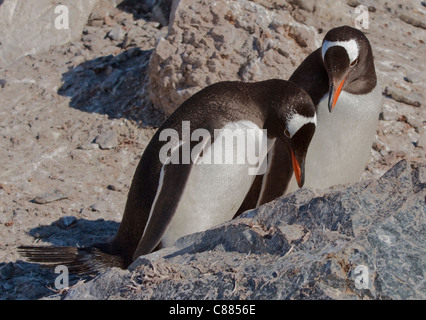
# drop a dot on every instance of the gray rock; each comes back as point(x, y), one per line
point(97, 17)
point(117, 33)
point(113, 80)
point(7, 271)
point(389, 113)
point(66, 222)
point(304, 4)
point(21, 33)
point(361, 241)
point(112, 187)
point(422, 138)
point(113, 85)
point(233, 40)
point(28, 26)
point(404, 97)
point(414, 77)
point(100, 206)
point(107, 140)
point(160, 10)
point(48, 197)
point(102, 284)
point(414, 20)
point(154, 10)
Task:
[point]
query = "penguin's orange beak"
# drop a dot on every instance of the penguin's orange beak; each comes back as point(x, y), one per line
point(299, 171)
point(334, 94)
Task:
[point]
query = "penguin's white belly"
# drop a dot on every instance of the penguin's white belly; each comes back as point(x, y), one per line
point(214, 192)
point(341, 145)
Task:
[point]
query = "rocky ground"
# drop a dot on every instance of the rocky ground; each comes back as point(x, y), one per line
point(363, 241)
point(75, 120)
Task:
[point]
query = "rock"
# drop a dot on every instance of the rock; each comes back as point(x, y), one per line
point(304, 4)
point(113, 80)
point(29, 28)
point(66, 222)
point(389, 113)
point(100, 285)
point(353, 3)
point(233, 40)
point(113, 85)
point(8, 189)
point(112, 187)
point(100, 206)
point(414, 77)
point(107, 140)
point(99, 15)
point(422, 139)
point(361, 241)
point(326, 14)
point(155, 10)
point(7, 271)
point(414, 20)
point(117, 33)
point(43, 234)
point(404, 97)
point(160, 11)
point(48, 197)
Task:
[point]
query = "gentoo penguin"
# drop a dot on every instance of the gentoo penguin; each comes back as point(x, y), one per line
point(173, 194)
point(340, 78)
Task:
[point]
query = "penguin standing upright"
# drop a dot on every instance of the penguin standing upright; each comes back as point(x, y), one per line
point(182, 184)
point(340, 77)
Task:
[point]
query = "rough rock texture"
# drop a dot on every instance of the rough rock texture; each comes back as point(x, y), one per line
point(115, 82)
point(230, 40)
point(363, 241)
point(28, 26)
point(153, 10)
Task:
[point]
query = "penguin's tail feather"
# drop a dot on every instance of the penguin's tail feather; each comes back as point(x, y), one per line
point(80, 261)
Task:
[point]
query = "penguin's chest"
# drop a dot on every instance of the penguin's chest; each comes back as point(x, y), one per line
point(219, 180)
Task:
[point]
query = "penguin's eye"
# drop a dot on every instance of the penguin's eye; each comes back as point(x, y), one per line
point(287, 133)
point(353, 64)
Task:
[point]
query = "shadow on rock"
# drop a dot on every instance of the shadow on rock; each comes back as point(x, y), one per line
point(79, 232)
point(113, 85)
point(24, 280)
point(153, 10)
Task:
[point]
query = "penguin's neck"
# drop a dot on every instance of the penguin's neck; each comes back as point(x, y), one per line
point(365, 83)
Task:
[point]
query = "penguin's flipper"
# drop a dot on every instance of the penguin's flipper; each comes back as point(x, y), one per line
point(171, 186)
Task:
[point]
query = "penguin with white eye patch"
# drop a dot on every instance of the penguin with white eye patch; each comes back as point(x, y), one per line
point(340, 78)
point(172, 196)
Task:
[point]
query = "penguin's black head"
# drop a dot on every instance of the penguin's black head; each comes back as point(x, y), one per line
point(298, 134)
point(296, 125)
point(347, 56)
